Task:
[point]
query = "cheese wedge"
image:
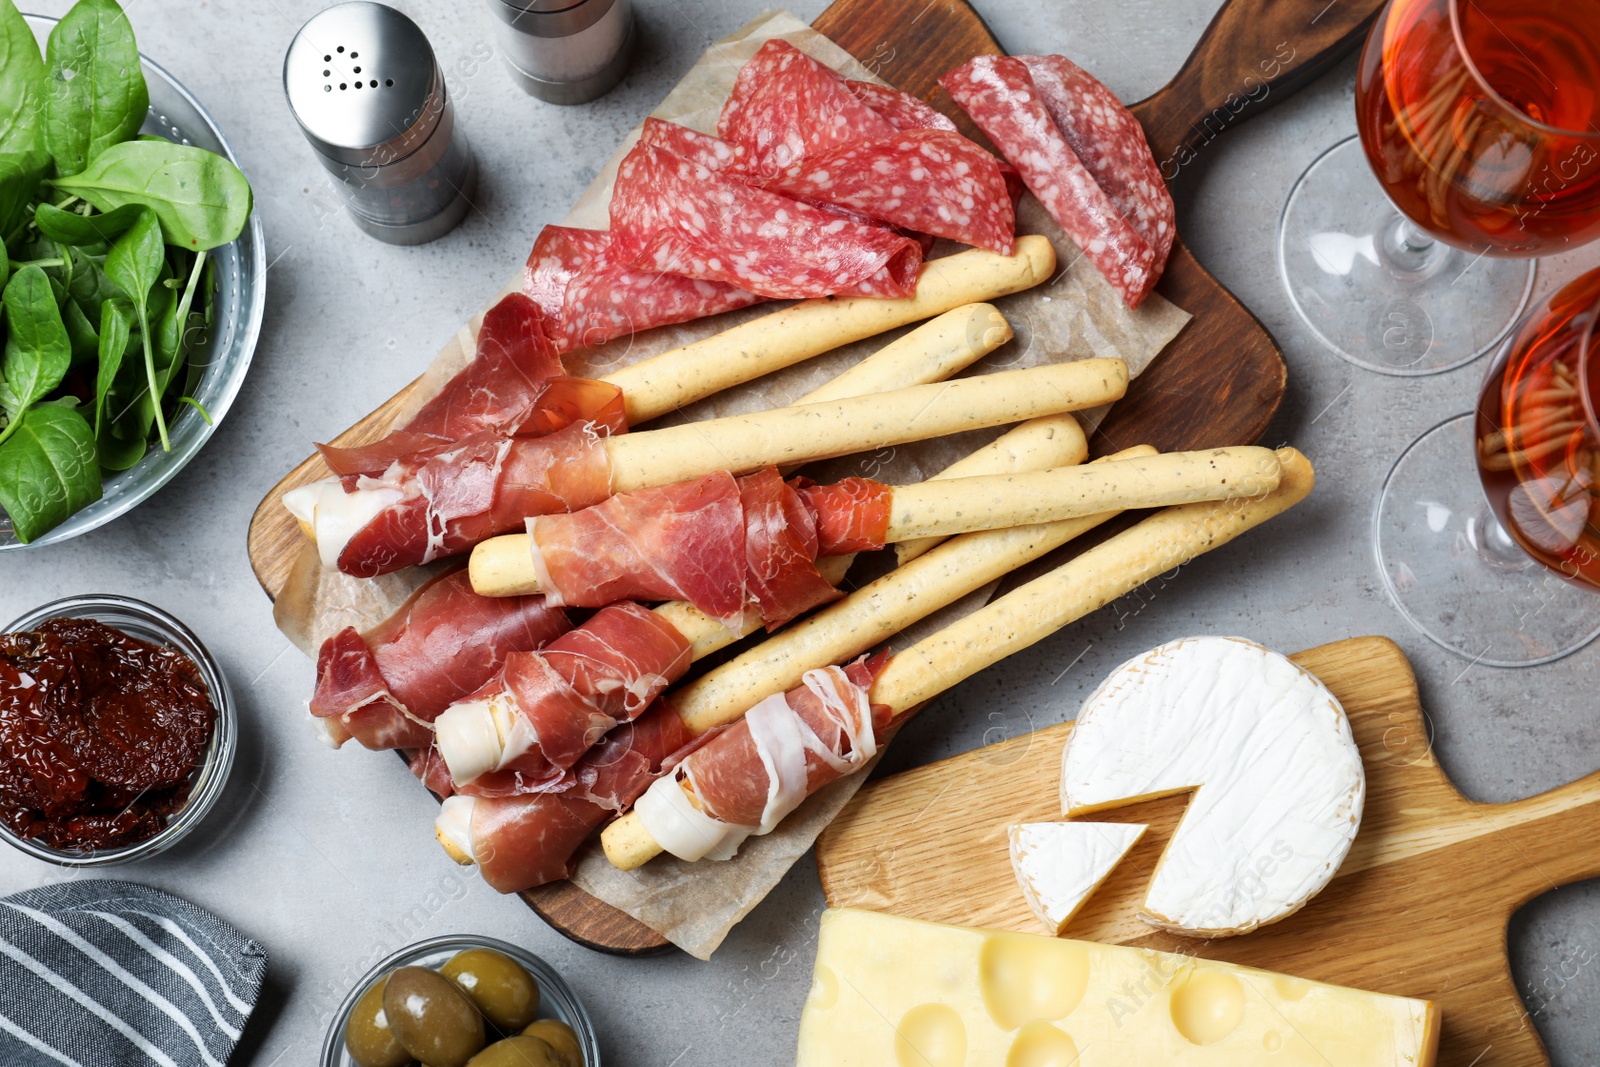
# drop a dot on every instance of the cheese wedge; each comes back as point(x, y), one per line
point(1278, 781)
point(892, 992)
point(1060, 864)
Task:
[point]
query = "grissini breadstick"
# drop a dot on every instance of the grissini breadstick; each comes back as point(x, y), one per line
point(680, 376)
point(560, 554)
point(489, 485)
point(1022, 617)
point(1014, 451)
point(874, 613)
point(835, 428)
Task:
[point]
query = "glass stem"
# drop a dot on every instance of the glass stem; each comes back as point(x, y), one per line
point(1409, 251)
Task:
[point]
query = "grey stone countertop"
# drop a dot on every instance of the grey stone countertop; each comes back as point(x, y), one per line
point(325, 856)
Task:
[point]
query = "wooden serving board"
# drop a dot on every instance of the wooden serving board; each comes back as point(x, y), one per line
point(1219, 383)
point(1419, 908)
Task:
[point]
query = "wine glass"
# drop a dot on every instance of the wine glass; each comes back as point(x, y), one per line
point(1407, 249)
point(1507, 571)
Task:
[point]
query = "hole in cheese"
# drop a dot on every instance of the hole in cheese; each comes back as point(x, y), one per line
point(1041, 1045)
point(1207, 1006)
point(1027, 978)
point(931, 1035)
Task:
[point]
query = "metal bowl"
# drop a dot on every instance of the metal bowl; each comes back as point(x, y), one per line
point(241, 272)
point(556, 998)
point(148, 623)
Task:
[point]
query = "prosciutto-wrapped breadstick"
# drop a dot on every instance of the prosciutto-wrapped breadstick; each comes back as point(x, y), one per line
point(686, 541)
point(837, 633)
point(745, 780)
point(519, 842)
point(385, 687)
point(490, 484)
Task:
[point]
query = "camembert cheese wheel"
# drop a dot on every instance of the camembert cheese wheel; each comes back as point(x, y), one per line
point(893, 992)
point(1276, 774)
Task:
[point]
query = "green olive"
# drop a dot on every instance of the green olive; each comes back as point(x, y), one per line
point(561, 1038)
point(500, 987)
point(432, 1019)
point(517, 1051)
point(367, 1035)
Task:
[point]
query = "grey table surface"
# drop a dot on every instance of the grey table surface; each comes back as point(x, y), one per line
point(326, 857)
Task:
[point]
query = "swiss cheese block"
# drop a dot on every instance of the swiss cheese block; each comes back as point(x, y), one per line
point(893, 992)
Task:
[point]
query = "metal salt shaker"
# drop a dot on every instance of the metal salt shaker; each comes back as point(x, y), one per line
point(368, 93)
point(565, 51)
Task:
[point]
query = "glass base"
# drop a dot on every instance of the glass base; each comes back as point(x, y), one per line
point(1457, 576)
point(1380, 292)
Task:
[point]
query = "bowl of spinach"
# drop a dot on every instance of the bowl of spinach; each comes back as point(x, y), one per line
point(133, 273)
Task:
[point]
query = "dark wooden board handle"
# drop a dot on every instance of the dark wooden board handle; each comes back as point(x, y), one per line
point(1254, 53)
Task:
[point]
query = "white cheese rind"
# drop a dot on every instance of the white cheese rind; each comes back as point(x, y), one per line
point(1278, 778)
point(894, 992)
point(1059, 865)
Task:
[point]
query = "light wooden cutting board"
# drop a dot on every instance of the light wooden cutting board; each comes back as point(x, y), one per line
point(1419, 908)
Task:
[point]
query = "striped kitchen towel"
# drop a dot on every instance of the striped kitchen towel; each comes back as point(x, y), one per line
point(112, 974)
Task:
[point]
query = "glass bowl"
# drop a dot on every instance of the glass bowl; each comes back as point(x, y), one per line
point(556, 998)
point(241, 272)
point(148, 623)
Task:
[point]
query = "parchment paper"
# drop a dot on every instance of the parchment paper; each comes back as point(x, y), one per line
point(1076, 315)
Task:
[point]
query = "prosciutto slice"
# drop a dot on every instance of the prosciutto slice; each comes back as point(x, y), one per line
point(568, 696)
point(511, 386)
point(483, 486)
point(1104, 198)
point(716, 542)
point(591, 295)
point(520, 842)
point(852, 515)
point(383, 687)
point(749, 777)
point(686, 218)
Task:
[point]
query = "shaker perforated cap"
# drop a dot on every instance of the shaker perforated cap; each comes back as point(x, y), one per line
point(363, 84)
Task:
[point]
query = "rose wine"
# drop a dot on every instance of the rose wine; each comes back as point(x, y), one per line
point(1538, 441)
point(1481, 119)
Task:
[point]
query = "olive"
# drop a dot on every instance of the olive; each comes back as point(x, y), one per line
point(561, 1038)
point(517, 1051)
point(505, 993)
point(433, 1019)
point(367, 1035)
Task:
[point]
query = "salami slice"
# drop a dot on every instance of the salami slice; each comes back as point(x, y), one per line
point(591, 297)
point(999, 93)
point(1109, 141)
point(901, 110)
point(687, 219)
point(928, 181)
point(785, 104)
point(710, 152)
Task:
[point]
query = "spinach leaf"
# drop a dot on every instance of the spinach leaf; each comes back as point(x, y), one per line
point(172, 340)
point(95, 95)
point(134, 264)
point(49, 468)
point(37, 351)
point(123, 436)
point(89, 285)
point(5, 264)
point(114, 339)
point(85, 339)
point(23, 155)
point(200, 197)
point(71, 228)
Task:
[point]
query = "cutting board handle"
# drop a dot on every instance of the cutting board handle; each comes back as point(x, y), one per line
point(1254, 53)
point(1554, 838)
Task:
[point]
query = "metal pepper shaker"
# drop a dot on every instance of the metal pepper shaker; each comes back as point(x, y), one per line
point(368, 93)
point(565, 51)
